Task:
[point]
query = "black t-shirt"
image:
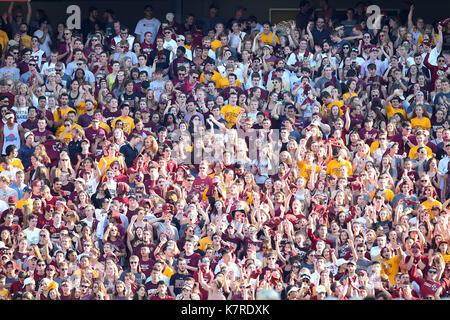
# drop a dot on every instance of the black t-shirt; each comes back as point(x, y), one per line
point(130, 99)
point(177, 281)
point(129, 153)
point(74, 149)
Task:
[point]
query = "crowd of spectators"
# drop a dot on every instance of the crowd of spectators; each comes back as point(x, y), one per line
point(213, 159)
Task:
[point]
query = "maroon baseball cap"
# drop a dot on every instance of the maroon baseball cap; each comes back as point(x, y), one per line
point(12, 199)
point(131, 171)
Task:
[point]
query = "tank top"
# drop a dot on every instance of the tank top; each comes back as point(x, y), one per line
point(11, 137)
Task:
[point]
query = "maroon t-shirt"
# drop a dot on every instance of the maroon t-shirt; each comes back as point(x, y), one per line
point(192, 260)
point(371, 135)
point(48, 114)
point(150, 287)
point(29, 124)
point(91, 134)
point(146, 266)
point(39, 136)
point(53, 147)
point(200, 184)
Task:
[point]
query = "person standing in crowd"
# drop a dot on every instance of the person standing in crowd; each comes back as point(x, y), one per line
point(223, 157)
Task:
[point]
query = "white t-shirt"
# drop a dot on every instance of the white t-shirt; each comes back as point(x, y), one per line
point(21, 114)
point(44, 46)
point(145, 25)
point(50, 66)
point(32, 236)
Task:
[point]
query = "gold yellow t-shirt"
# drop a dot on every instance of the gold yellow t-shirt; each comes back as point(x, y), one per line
point(22, 202)
point(327, 108)
point(3, 39)
point(413, 152)
point(389, 195)
point(224, 83)
point(203, 243)
point(26, 40)
point(68, 136)
point(347, 96)
point(392, 267)
point(215, 77)
point(216, 44)
point(128, 124)
point(390, 110)
point(334, 165)
point(268, 39)
point(106, 162)
point(16, 163)
point(61, 114)
point(423, 123)
point(306, 169)
point(430, 205)
point(230, 114)
point(4, 293)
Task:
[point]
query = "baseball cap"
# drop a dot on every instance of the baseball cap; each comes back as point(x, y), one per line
point(131, 171)
point(12, 199)
point(180, 36)
point(28, 281)
point(294, 288)
point(61, 203)
point(187, 287)
point(27, 134)
point(305, 276)
point(31, 257)
point(340, 262)
point(80, 180)
point(12, 43)
point(351, 262)
point(27, 189)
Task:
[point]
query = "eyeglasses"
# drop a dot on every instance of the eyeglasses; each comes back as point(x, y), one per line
point(84, 286)
point(32, 65)
point(58, 70)
point(432, 271)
